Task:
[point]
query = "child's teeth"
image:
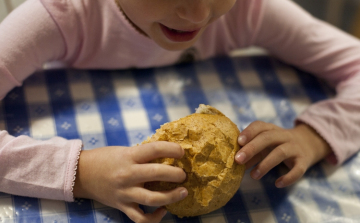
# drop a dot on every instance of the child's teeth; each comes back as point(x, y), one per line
point(178, 31)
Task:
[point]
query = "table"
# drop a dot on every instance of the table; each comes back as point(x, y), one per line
point(124, 107)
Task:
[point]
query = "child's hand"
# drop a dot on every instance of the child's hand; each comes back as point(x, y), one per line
point(269, 145)
point(115, 176)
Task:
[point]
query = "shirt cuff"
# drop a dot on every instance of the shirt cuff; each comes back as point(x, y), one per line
point(71, 168)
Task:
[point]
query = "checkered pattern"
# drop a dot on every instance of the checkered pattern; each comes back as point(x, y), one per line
point(124, 107)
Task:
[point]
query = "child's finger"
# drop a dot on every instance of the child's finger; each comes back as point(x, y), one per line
point(264, 140)
point(292, 176)
point(137, 215)
point(157, 198)
point(161, 149)
point(274, 158)
point(157, 172)
point(253, 130)
point(256, 159)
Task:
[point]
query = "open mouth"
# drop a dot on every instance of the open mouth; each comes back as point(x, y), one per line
point(178, 35)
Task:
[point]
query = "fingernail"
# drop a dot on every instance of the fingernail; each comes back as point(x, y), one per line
point(280, 184)
point(242, 140)
point(240, 157)
point(183, 193)
point(255, 175)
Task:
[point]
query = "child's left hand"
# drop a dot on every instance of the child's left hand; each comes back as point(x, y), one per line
point(269, 145)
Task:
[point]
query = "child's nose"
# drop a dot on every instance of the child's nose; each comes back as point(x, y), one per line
point(195, 11)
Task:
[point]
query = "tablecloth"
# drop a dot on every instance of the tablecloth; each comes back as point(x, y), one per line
point(124, 107)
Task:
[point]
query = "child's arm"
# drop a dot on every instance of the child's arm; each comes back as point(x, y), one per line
point(42, 169)
point(115, 176)
point(45, 169)
point(28, 38)
point(111, 175)
point(299, 39)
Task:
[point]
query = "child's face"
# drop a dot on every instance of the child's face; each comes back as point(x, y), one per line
point(162, 20)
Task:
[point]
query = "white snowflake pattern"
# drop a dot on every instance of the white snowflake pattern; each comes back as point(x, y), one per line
point(26, 206)
point(18, 129)
point(286, 217)
point(107, 219)
point(114, 122)
point(157, 117)
point(79, 201)
point(66, 125)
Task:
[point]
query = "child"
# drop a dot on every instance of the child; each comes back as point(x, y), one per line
point(148, 33)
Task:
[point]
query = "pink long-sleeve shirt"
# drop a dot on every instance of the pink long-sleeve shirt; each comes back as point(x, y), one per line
point(95, 34)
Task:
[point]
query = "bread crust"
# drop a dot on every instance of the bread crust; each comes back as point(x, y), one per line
point(210, 144)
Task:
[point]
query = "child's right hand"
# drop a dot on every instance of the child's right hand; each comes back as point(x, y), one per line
point(115, 176)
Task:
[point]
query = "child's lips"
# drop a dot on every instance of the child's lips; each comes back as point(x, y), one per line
point(179, 35)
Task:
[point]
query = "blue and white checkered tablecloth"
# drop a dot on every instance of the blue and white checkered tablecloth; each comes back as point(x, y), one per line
point(124, 107)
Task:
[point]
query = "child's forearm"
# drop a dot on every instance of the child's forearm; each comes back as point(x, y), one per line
point(42, 169)
point(294, 36)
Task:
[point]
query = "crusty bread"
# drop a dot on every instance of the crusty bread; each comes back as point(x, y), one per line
point(209, 139)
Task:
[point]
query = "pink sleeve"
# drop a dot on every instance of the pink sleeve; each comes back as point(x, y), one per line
point(295, 37)
point(28, 38)
point(42, 169)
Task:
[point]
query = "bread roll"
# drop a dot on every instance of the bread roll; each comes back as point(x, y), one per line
point(209, 139)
